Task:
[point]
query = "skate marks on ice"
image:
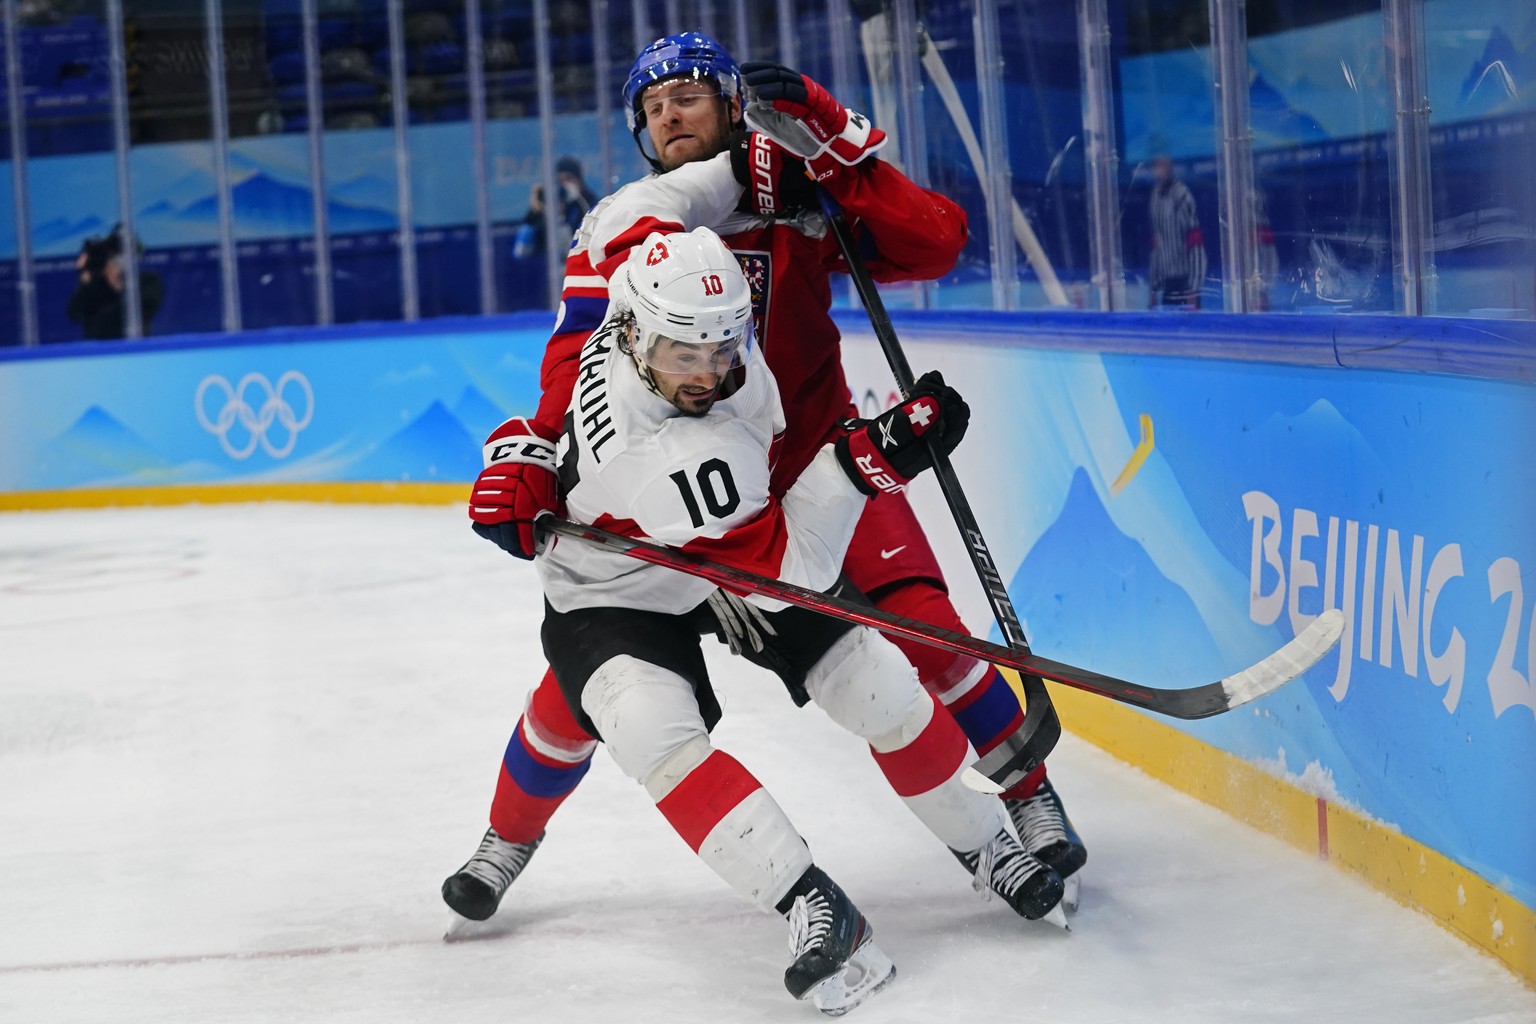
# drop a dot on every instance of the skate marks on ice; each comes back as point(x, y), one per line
point(286, 780)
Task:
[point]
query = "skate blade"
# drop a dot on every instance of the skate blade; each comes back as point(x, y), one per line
point(1057, 917)
point(1072, 886)
point(462, 929)
point(867, 972)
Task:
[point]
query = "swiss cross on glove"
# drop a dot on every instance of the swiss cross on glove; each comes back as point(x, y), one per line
point(881, 455)
point(518, 483)
point(805, 119)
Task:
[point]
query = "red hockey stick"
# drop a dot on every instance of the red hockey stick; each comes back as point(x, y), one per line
point(1193, 702)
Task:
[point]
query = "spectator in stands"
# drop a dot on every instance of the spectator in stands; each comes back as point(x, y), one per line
point(97, 304)
point(575, 195)
point(1176, 264)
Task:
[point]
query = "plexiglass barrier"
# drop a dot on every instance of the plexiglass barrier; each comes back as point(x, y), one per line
point(206, 166)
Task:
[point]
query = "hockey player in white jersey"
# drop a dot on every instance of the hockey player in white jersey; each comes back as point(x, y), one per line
point(670, 436)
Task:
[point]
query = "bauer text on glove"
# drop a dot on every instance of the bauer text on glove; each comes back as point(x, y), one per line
point(882, 454)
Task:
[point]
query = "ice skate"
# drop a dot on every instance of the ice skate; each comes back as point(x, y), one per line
point(1047, 833)
point(1004, 867)
point(833, 960)
point(474, 891)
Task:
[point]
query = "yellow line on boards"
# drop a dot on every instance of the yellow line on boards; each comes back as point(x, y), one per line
point(363, 492)
point(1406, 870)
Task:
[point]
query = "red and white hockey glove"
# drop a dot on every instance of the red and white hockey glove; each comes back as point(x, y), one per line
point(518, 483)
point(806, 119)
point(774, 181)
point(882, 454)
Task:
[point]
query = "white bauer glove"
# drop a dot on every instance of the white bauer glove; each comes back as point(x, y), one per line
point(805, 119)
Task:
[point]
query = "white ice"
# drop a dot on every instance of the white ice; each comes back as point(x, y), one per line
point(241, 746)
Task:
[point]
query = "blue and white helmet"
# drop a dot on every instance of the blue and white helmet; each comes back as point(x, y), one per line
point(686, 53)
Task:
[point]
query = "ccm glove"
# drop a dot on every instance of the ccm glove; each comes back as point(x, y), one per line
point(882, 454)
point(518, 483)
point(774, 181)
point(806, 119)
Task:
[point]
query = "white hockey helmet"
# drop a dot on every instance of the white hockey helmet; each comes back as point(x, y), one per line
point(685, 288)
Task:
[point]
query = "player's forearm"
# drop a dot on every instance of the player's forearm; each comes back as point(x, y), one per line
point(918, 234)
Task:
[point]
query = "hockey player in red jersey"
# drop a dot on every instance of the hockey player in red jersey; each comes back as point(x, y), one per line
point(684, 97)
point(671, 436)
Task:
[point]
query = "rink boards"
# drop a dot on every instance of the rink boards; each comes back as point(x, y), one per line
point(1170, 498)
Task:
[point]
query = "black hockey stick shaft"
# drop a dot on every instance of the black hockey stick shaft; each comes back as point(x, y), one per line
point(1191, 703)
point(1024, 751)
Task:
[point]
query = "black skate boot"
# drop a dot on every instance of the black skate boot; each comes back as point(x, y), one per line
point(476, 889)
point(1047, 832)
point(1004, 867)
point(833, 959)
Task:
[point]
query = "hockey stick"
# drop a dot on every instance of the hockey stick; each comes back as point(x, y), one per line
point(1055, 294)
point(1195, 702)
point(1024, 750)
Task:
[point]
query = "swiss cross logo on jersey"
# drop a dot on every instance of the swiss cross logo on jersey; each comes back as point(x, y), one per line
point(757, 268)
point(657, 254)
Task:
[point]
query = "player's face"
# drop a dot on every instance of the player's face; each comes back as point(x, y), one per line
point(687, 120)
point(689, 376)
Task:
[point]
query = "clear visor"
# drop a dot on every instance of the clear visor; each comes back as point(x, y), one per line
point(665, 354)
point(685, 90)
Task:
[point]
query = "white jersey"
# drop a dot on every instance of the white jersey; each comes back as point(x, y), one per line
point(631, 463)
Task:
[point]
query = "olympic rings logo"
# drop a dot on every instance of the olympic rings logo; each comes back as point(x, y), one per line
point(255, 419)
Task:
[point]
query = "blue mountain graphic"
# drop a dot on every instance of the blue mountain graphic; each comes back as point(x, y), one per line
point(96, 447)
point(478, 413)
point(1490, 86)
point(1091, 596)
point(159, 208)
point(61, 229)
point(434, 446)
point(1275, 120)
point(366, 191)
point(346, 218)
point(261, 200)
point(257, 197)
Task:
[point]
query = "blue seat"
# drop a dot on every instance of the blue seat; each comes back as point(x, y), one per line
point(349, 95)
point(283, 35)
point(287, 68)
point(336, 32)
point(438, 59)
point(575, 48)
point(514, 25)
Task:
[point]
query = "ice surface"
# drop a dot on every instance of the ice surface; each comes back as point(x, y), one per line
point(241, 746)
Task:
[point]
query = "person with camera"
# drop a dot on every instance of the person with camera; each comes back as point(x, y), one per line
point(97, 304)
point(576, 199)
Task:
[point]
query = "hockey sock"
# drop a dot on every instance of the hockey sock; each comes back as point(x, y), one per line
point(726, 817)
point(976, 694)
point(988, 712)
point(925, 772)
point(545, 760)
point(927, 759)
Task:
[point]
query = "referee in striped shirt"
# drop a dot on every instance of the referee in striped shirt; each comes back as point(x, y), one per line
point(1176, 265)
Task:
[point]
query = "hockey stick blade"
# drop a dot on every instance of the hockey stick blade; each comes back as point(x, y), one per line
point(1304, 650)
point(1290, 661)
